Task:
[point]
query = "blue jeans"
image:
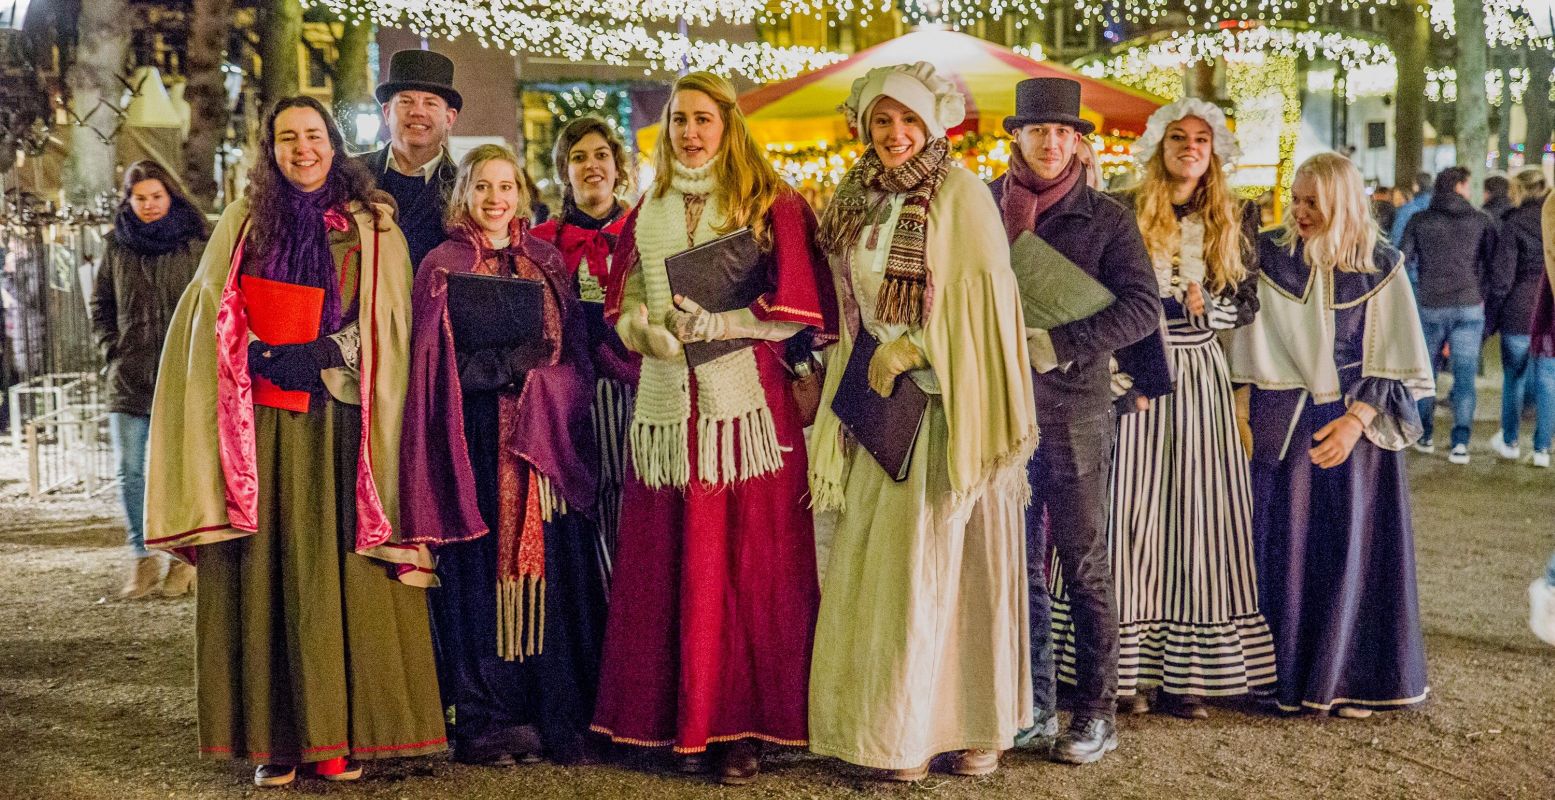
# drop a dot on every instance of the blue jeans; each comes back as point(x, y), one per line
point(1462, 327)
point(1517, 368)
point(1549, 571)
point(129, 432)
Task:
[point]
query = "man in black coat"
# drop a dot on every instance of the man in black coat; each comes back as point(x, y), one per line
point(420, 104)
point(1453, 246)
point(1045, 192)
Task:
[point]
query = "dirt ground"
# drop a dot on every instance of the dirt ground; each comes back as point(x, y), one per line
point(96, 697)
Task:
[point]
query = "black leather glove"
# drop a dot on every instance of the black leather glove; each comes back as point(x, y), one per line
point(296, 367)
point(500, 367)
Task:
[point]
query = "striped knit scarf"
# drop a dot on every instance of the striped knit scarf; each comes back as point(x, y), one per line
point(905, 296)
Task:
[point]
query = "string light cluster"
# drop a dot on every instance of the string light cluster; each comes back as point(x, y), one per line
point(1441, 84)
point(1247, 43)
point(521, 31)
point(1197, 12)
point(1507, 23)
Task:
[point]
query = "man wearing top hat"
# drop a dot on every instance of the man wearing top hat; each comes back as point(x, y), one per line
point(1045, 191)
point(420, 104)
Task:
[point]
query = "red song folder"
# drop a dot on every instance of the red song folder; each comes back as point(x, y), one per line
point(281, 313)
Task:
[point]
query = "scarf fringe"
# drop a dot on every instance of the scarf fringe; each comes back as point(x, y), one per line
point(659, 453)
point(900, 301)
point(828, 466)
point(759, 451)
point(1005, 475)
point(552, 504)
point(520, 617)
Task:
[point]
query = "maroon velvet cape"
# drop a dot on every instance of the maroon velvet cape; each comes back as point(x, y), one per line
point(553, 432)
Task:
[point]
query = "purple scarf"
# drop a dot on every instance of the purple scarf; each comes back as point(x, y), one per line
point(300, 254)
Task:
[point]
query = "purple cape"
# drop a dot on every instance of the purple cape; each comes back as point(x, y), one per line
point(553, 432)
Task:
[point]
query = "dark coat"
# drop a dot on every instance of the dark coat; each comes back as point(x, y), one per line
point(1452, 245)
point(1515, 274)
point(133, 299)
point(421, 222)
point(1100, 236)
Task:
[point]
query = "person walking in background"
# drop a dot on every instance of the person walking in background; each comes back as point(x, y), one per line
point(714, 594)
point(921, 647)
point(1337, 363)
point(279, 464)
point(420, 104)
point(1453, 245)
point(1181, 523)
point(595, 175)
point(148, 260)
point(1044, 192)
point(497, 475)
point(1516, 279)
point(1419, 202)
point(1383, 210)
point(1498, 197)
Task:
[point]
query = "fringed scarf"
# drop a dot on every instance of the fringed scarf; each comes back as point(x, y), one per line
point(905, 296)
point(525, 499)
point(735, 432)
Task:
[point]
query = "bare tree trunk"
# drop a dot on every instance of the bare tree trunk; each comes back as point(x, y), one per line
point(350, 78)
point(280, 35)
point(1504, 119)
point(1473, 108)
point(104, 27)
point(1536, 104)
point(1411, 42)
point(206, 92)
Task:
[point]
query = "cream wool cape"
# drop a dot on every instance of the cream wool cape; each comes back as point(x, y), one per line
point(922, 646)
point(204, 483)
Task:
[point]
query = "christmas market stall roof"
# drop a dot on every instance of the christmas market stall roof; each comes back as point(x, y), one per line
point(803, 110)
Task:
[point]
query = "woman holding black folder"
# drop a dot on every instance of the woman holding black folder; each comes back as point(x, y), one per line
point(922, 646)
point(714, 593)
point(497, 474)
point(275, 458)
point(592, 166)
point(1181, 518)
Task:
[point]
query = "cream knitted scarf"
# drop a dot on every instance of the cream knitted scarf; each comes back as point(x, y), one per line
point(736, 436)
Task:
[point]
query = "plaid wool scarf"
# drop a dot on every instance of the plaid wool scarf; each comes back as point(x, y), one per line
point(905, 296)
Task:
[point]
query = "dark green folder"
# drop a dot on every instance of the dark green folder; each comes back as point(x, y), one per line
point(1053, 289)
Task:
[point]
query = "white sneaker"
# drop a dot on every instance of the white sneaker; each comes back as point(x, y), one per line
point(1541, 458)
point(1509, 451)
point(1541, 609)
point(1425, 446)
point(1459, 454)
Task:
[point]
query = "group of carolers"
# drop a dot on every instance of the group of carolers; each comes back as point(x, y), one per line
point(621, 548)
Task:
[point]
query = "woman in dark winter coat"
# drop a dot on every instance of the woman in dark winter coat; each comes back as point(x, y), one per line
point(151, 254)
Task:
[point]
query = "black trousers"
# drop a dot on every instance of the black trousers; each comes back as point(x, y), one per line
point(1070, 475)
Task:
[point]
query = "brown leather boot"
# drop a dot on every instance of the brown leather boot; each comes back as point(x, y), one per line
point(179, 579)
point(976, 761)
point(145, 572)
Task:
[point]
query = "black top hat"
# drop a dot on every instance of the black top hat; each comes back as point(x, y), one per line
point(420, 71)
point(1047, 100)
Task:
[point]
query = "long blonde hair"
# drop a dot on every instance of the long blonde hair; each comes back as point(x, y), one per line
point(745, 179)
point(1351, 236)
point(458, 212)
point(1224, 244)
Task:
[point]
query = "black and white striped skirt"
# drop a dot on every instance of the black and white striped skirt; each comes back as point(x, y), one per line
point(1181, 539)
point(612, 413)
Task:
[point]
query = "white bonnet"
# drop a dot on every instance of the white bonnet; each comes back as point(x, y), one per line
point(935, 99)
point(1225, 144)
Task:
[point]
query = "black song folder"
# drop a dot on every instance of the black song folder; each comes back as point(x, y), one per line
point(724, 274)
point(887, 427)
point(491, 311)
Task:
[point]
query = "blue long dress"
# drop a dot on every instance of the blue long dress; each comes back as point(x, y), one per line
point(1335, 547)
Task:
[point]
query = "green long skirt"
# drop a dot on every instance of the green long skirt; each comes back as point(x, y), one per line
point(306, 651)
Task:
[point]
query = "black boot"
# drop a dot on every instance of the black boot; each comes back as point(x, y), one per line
point(1086, 741)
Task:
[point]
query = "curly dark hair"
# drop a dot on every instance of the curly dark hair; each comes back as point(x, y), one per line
point(270, 213)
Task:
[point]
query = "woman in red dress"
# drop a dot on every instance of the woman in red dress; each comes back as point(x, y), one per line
point(713, 602)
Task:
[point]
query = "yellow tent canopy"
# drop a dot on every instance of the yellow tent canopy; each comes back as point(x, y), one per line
point(803, 110)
